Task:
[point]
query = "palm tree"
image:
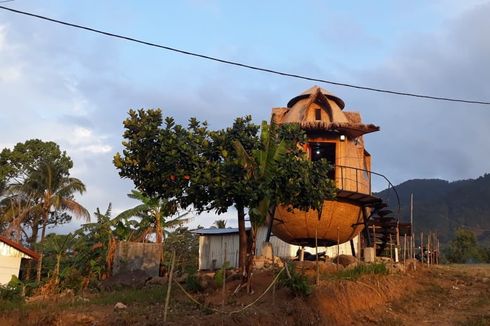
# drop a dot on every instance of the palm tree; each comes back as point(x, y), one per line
point(153, 213)
point(220, 224)
point(55, 193)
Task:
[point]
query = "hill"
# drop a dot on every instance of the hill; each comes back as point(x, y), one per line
point(443, 206)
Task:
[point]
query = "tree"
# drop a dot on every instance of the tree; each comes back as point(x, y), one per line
point(220, 224)
point(153, 215)
point(216, 170)
point(54, 192)
point(16, 165)
point(283, 176)
point(464, 248)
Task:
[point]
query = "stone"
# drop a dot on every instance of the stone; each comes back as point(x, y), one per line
point(266, 250)
point(120, 306)
point(369, 255)
point(345, 260)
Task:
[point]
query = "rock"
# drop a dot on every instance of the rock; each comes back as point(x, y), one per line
point(411, 264)
point(120, 306)
point(259, 262)
point(266, 250)
point(396, 268)
point(329, 267)
point(345, 260)
point(158, 280)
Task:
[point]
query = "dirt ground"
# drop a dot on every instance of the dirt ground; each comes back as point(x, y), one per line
point(441, 295)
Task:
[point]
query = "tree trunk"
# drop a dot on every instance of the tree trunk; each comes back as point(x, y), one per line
point(243, 242)
point(158, 226)
point(252, 243)
point(41, 250)
point(32, 241)
point(57, 268)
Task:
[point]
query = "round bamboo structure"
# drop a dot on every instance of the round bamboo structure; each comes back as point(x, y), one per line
point(339, 134)
point(340, 221)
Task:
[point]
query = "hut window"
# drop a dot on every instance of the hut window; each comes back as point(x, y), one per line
point(318, 114)
point(326, 151)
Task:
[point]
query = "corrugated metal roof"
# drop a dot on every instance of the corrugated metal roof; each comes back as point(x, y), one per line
point(216, 231)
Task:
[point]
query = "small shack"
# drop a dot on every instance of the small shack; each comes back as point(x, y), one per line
point(219, 245)
point(11, 255)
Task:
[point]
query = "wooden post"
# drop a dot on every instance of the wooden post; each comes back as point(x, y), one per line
point(422, 247)
point(391, 247)
point(169, 287)
point(428, 250)
point(273, 273)
point(316, 254)
point(374, 236)
point(338, 247)
point(404, 248)
point(223, 293)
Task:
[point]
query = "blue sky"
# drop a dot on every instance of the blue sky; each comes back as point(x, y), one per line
point(75, 88)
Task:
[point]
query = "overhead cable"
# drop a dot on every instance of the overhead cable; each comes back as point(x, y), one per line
point(242, 65)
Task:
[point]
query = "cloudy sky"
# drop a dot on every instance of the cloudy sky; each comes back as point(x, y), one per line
point(75, 88)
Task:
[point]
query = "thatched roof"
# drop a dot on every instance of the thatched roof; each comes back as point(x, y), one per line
point(304, 109)
point(311, 91)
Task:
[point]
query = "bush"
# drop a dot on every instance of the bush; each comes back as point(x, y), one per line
point(72, 279)
point(219, 276)
point(192, 283)
point(362, 269)
point(13, 291)
point(297, 283)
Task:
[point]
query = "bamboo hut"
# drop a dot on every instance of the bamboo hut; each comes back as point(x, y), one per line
point(337, 136)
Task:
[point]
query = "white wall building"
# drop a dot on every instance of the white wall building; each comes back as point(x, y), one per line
point(11, 254)
point(219, 245)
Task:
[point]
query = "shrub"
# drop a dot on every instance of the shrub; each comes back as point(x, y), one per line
point(297, 283)
point(13, 291)
point(192, 283)
point(362, 269)
point(219, 276)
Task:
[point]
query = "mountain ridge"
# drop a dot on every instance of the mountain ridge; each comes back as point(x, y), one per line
point(442, 206)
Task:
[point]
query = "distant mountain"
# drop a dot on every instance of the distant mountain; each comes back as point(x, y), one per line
point(443, 206)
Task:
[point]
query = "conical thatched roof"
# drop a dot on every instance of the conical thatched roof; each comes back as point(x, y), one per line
point(316, 109)
point(313, 90)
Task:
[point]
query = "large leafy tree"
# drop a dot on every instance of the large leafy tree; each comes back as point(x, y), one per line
point(217, 170)
point(283, 175)
point(464, 248)
point(16, 166)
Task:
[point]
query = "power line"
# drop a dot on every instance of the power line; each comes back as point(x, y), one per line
point(242, 65)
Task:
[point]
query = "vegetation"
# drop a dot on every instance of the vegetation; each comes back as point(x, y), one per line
point(465, 249)
point(216, 170)
point(443, 207)
point(360, 270)
point(295, 281)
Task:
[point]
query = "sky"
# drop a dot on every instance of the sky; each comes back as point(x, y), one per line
point(75, 88)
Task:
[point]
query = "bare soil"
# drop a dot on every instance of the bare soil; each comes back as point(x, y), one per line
point(441, 295)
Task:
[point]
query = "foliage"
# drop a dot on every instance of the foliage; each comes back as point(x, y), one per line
point(360, 270)
point(153, 215)
point(192, 283)
point(220, 275)
point(220, 224)
point(216, 170)
point(13, 291)
point(186, 245)
point(464, 248)
point(296, 282)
